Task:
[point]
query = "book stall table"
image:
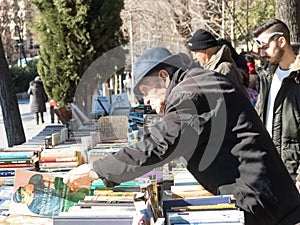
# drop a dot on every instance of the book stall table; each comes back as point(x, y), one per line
point(167, 195)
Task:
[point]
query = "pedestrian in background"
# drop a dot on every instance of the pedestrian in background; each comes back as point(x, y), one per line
point(278, 102)
point(53, 104)
point(39, 99)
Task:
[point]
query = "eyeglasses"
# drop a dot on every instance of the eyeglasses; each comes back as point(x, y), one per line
point(265, 38)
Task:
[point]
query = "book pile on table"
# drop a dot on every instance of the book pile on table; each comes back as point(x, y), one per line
point(101, 149)
point(16, 160)
point(108, 206)
point(48, 131)
point(203, 210)
point(58, 159)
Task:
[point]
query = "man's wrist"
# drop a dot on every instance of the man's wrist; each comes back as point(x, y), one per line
point(92, 174)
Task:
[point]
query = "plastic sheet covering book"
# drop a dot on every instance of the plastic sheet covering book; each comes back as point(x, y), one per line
point(41, 194)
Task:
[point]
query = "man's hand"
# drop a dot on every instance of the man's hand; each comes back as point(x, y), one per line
point(79, 177)
point(298, 185)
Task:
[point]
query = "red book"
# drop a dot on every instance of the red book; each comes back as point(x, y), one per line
point(15, 165)
point(64, 159)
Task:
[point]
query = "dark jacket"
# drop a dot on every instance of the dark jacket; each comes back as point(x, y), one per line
point(286, 117)
point(215, 128)
point(38, 97)
point(222, 62)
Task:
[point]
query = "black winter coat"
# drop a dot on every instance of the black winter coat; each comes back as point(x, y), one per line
point(38, 97)
point(211, 123)
point(286, 117)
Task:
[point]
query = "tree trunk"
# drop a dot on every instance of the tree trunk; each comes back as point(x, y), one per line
point(9, 104)
point(289, 12)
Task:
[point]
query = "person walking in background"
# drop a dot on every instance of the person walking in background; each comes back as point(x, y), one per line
point(214, 57)
point(278, 103)
point(53, 104)
point(209, 122)
point(39, 99)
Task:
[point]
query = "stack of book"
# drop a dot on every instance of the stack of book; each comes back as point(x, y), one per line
point(111, 207)
point(39, 139)
point(58, 159)
point(203, 210)
point(102, 149)
point(5, 197)
point(18, 160)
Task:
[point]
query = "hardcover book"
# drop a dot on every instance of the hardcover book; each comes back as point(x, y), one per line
point(42, 194)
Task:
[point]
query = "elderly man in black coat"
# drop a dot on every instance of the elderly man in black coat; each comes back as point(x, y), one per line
point(210, 123)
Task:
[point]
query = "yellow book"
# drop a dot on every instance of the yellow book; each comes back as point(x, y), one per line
point(203, 207)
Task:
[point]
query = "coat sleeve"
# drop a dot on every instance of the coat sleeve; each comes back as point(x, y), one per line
point(29, 92)
point(168, 140)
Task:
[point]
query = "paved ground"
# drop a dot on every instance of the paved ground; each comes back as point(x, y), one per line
point(31, 129)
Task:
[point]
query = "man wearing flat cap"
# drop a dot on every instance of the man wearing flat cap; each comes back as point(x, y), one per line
point(213, 57)
point(212, 125)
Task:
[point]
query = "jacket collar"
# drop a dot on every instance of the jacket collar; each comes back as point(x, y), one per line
point(223, 54)
point(177, 77)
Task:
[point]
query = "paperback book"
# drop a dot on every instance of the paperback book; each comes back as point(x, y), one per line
point(42, 194)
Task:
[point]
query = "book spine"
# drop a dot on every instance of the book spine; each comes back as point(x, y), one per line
point(7, 173)
point(58, 164)
point(204, 207)
point(15, 161)
point(14, 169)
point(56, 159)
point(58, 154)
point(15, 165)
point(11, 155)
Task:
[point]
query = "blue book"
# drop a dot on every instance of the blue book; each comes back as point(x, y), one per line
point(7, 173)
point(20, 155)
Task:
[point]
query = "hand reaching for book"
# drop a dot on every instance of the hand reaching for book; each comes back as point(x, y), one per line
point(79, 177)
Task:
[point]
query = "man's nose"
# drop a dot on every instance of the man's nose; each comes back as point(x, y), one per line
point(262, 52)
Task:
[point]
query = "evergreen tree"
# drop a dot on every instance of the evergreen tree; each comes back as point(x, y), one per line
point(72, 34)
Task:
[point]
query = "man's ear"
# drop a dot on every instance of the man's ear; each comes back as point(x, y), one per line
point(165, 76)
point(281, 41)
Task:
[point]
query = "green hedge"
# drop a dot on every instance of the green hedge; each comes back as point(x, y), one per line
point(23, 75)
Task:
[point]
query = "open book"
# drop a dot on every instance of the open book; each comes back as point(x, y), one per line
point(41, 194)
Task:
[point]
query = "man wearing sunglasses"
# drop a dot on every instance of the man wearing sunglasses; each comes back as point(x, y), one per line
point(278, 102)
